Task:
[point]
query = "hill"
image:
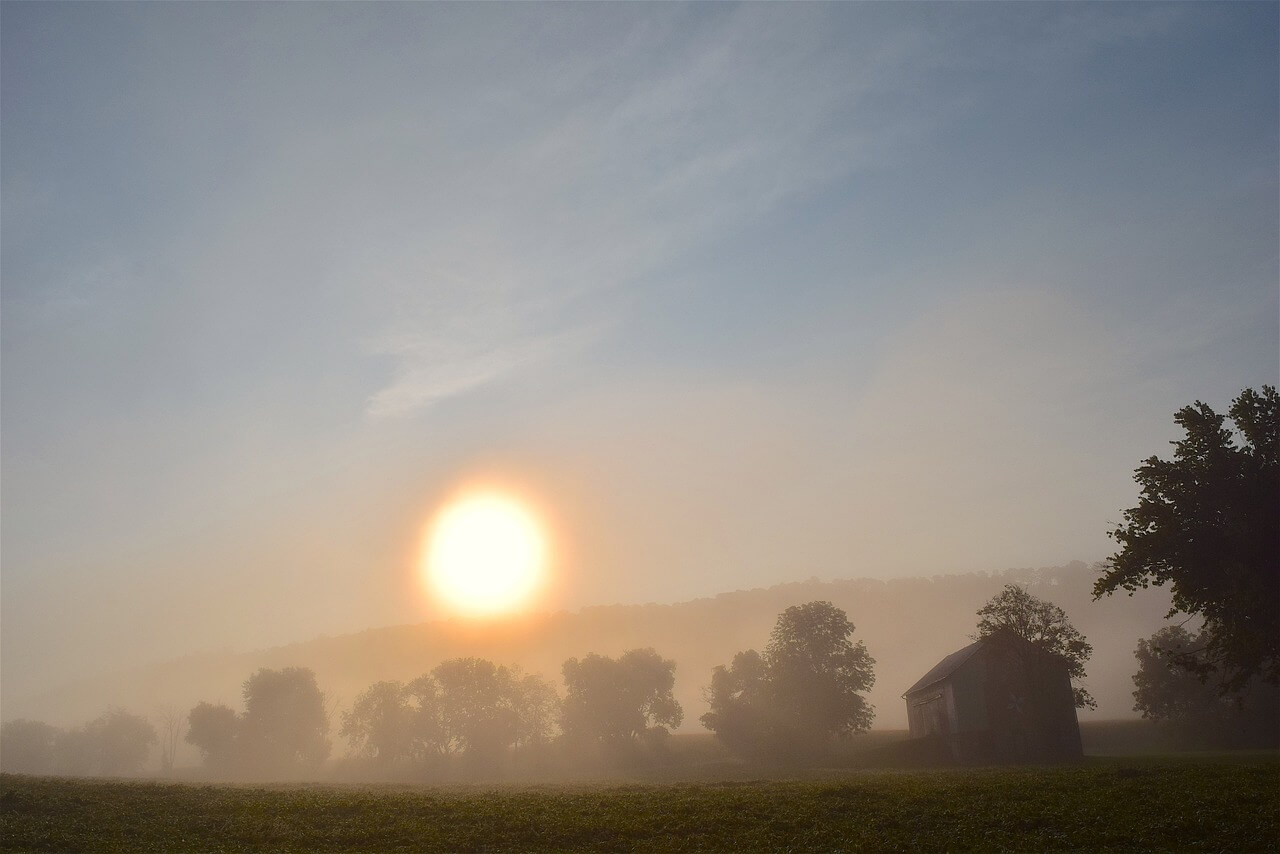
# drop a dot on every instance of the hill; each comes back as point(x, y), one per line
point(907, 624)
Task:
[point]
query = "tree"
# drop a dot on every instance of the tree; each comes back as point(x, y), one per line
point(173, 725)
point(285, 725)
point(428, 738)
point(26, 747)
point(1045, 626)
point(1193, 705)
point(817, 671)
point(213, 730)
point(537, 707)
point(1205, 524)
point(476, 707)
point(742, 713)
point(613, 701)
point(121, 742)
point(1166, 691)
point(805, 691)
point(380, 724)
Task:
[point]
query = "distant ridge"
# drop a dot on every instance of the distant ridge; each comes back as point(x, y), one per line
point(908, 625)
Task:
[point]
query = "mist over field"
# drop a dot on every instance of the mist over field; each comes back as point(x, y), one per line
point(908, 626)
point(437, 392)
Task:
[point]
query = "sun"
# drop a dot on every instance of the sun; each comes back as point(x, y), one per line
point(484, 554)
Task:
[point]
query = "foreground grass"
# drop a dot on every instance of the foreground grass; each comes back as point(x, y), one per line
point(1176, 805)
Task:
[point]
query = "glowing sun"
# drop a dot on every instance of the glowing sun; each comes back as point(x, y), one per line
point(484, 554)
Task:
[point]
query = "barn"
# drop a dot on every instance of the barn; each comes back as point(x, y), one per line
point(998, 700)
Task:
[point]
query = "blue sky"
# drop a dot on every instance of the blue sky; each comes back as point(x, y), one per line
point(738, 294)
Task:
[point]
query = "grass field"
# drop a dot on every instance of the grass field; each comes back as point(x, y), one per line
point(1223, 804)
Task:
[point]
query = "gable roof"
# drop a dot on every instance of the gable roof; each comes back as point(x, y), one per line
point(946, 667)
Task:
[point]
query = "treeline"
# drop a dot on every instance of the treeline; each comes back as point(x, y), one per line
point(118, 743)
point(471, 715)
point(465, 715)
point(793, 703)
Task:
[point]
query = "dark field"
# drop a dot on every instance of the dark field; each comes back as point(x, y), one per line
point(1104, 805)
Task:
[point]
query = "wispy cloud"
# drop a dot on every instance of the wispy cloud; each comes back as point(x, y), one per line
point(579, 204)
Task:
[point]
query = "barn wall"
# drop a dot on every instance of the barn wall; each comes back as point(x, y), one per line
point(968, 689)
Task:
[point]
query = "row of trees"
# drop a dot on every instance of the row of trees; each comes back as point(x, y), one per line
point(470, 709)
point(117, 743)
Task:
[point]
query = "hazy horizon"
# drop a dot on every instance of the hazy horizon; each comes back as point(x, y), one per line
point(728, 295)
point(908, 625)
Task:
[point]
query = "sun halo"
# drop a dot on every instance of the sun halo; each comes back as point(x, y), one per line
point(484, 554)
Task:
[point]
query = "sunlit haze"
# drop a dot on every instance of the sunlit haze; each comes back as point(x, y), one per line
point(717, 297)
point(484, 554)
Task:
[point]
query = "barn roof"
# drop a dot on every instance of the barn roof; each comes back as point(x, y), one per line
point(946, 667)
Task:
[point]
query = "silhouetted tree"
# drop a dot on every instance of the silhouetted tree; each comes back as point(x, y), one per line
point(1045, 626)
point(466, 706)
point(613, 701)
point(476, 708)
point(213, 730)
point(380, 724)
point(26, 747)
point(428, 737)
point(743, 713)
point(284, 725)
point(122, 742)
point(537, 707)
point(804, 691)
point(1206, 525)
point(1193, 704)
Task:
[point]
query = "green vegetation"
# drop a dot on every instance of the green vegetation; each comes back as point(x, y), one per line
point(1103, 805)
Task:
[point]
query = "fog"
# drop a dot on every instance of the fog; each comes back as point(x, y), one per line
point(732, 298)
point(907, 625)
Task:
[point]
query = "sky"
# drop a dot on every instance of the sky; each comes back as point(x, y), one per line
point(732, 295)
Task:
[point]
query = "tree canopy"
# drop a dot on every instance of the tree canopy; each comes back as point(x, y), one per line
point(466, 706)
point(213, 730)
point(379, 725)
point(1194, 706)
point(123, 741)
point(805, 689)
point(27, 747)
point(285, 723)
point(1044, 625)
point(612, 701)
point(1206, 524)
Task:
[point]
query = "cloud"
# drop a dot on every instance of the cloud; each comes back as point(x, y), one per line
point(427, 374)
point(552, 228)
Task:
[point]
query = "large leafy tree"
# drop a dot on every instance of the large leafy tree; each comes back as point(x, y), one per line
point(1015, 611)
point(213, 730)
point(476, 706)
point(1195, 707)
point(122, 741)
point(537, 707)
point(804, 691)
point(26, 747)
point(285, 723)
point(1206, 525)
point(379, 725)
point(612, 701)
point(818, 672)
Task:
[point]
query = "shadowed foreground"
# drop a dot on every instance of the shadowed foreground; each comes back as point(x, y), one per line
point(1120, 805)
